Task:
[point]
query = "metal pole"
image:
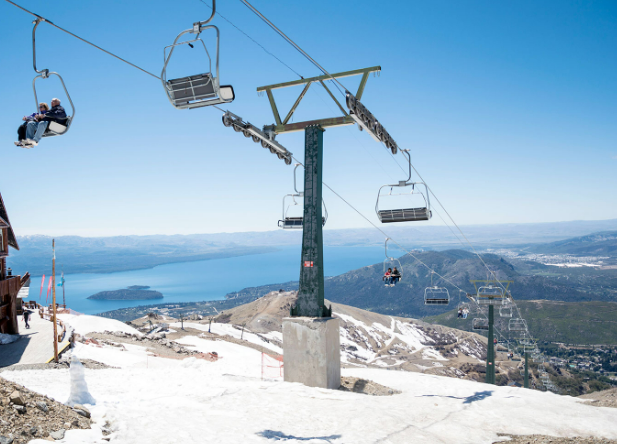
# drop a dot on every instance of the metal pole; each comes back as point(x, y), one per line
point(490, 350)
point(310, 301)
point(53, 301)
point(63, 295)
point(526, 383)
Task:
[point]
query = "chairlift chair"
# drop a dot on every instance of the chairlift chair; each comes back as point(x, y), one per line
point(415, 213)
point(505, 311)
point(199, 90)
point(517, 324)
point(289, 222)
point(392, 262)
point(435, 295)
point(491, 295)
point(479, 324)
point(53, 128)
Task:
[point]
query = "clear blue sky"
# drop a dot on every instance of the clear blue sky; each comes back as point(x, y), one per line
point(509, 109)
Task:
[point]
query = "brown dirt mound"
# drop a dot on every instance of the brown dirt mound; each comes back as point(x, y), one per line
point(366, 387)
point(604, 398)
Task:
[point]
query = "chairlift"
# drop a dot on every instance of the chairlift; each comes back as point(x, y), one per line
point(491, 295)
point(199, 90)
point(517, 324)
point(392, 262)
point(479, 324)
point(53, 128)
point(527, 343)
point(295, 222)
point(435, 295)
point(420, 194)
point(505, 311)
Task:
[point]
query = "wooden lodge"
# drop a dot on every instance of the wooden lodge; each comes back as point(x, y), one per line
point(9, 284)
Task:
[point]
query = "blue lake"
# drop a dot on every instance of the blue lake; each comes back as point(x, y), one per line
point(203, 280)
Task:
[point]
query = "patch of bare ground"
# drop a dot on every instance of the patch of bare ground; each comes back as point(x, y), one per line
point(604, 398)
point(542, 439)
point(63, 364)
point(26, 415)
point(366, 387)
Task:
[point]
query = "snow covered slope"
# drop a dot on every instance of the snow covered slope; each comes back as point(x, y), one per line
point(158, 400)
point(370, 338)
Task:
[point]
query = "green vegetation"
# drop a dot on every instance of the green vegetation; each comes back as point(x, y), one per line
point(554, 321)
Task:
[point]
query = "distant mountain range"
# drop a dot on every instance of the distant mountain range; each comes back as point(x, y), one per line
point(596, 244)
point(120, 253)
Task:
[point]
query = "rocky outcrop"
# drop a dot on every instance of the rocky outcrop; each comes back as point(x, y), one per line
point(26, 415)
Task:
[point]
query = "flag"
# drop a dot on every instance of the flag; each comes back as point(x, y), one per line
point(48, 289)
point(42, 283)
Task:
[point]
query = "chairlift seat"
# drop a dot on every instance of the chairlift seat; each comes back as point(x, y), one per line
point(56, 128)
point(197, 91)
point(404, 215)
point(295, 223)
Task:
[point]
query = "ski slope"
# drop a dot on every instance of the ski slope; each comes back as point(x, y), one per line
point(151, 399)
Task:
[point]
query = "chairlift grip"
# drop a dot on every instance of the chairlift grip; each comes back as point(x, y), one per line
point(198, 26)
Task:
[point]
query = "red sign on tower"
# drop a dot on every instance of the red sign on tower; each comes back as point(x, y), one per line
point(308, 263)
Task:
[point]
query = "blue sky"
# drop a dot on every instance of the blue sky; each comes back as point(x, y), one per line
point(509, 109)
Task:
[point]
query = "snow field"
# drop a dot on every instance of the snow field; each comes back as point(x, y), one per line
point(84, 324)
point(166, 400)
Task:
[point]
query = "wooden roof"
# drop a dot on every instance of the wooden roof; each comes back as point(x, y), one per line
point(4, 220)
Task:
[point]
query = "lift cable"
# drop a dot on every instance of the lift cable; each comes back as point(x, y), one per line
point(299, 49)
point(82, 39)
point(253, 40)
point(292, 43)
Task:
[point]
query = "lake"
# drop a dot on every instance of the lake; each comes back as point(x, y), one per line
point(202, 280)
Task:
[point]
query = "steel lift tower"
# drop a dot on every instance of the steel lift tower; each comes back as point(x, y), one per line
point(311, 343)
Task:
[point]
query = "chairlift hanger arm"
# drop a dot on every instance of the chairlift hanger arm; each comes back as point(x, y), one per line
point(43, 72)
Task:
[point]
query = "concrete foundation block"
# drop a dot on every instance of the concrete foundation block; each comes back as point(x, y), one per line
point(312, 352)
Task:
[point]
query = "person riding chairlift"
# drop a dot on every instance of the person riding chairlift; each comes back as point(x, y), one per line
point(37, 126)
point(387, 277)
point(396, 276)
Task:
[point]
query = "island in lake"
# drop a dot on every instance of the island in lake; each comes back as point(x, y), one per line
point(132, 293)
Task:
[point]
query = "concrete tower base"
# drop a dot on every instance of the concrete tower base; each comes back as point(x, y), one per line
point(312, 352)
